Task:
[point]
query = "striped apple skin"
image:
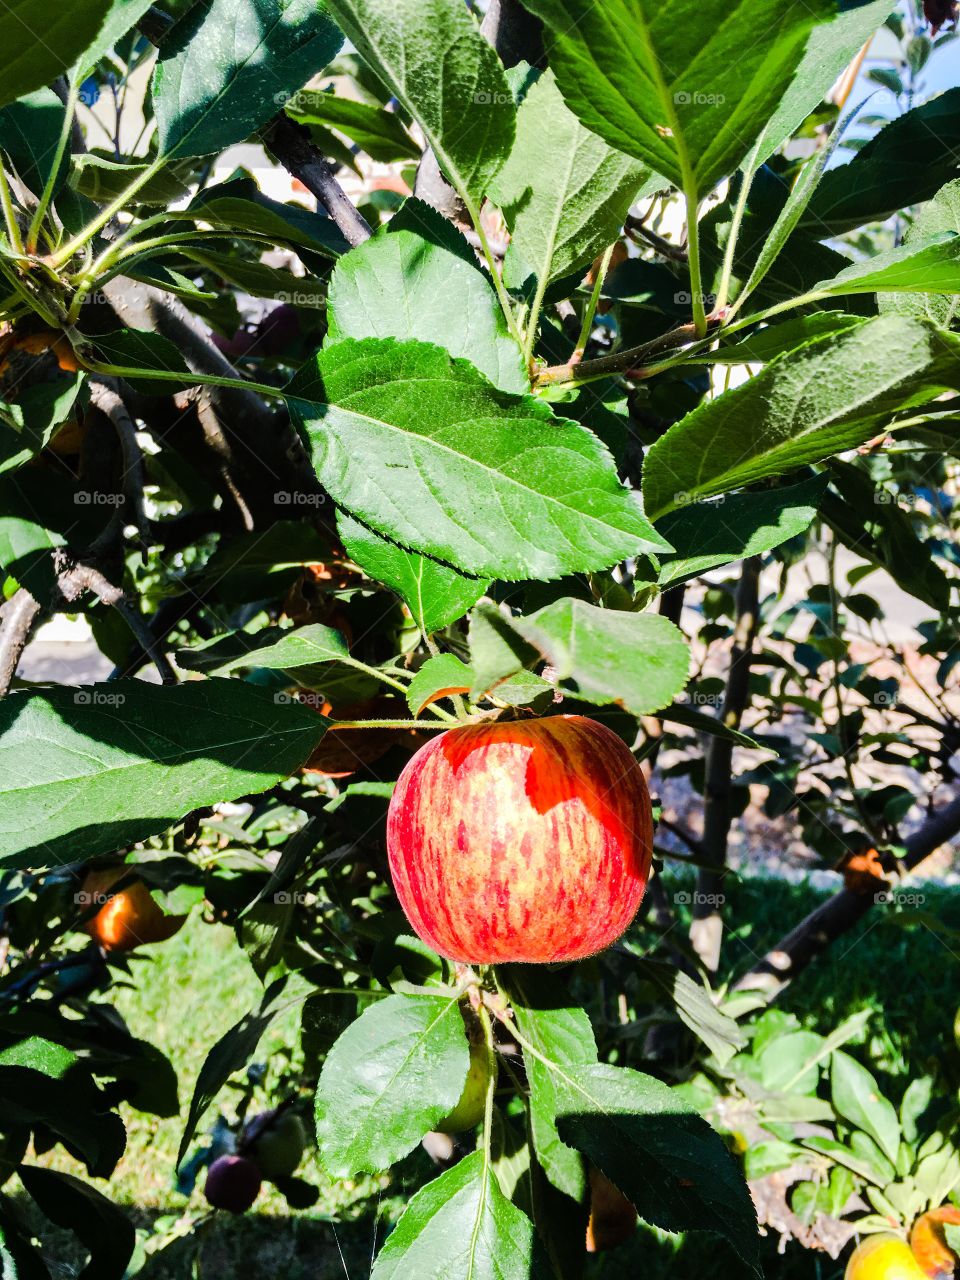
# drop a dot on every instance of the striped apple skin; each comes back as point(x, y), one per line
point(522, 841)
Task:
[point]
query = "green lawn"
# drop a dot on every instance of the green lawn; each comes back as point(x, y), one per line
point(187, 992)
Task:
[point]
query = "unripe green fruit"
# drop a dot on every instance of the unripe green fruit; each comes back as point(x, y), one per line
point(279, 1147)
point(468, 1112)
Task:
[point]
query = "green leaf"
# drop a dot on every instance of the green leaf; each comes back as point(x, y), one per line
point(706, 535)
point(260, 280)
point(29, 132)
point(101, 179)
point(100, 1225)
point(790, 1063)
point(41, 1055)
point(880, 1172)
point(938, 216)
point(233, 1051)
point(29, 425)
point(121, 17)
point(696, 1010)
point(686, 88)
point(142, 349)
point(418, 278)
point(426, 451)
point(563, 191)
point(39, 43)
point(497, 650)
point(378, 132)
point(442, 673)
point(462, 1225)
point(388, 1080)
point(229, 65)
point(276, 648)
point(830, 48)
point(560, 1030)
point(906, 162)
point(239, 206)
point(932, 267)
point(828, 396)
point(638, 660)
point(765, 344)
point(432, 57)
point(703, 723)
point(87, 771)
point(435, 594)
point(658, 1151)
point(857, 1098)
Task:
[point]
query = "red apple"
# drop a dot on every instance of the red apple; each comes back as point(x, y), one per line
point(521, 841)
point(233, 1183)
point(928, 1241)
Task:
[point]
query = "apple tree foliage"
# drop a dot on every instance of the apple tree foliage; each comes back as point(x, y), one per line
point(447, 428)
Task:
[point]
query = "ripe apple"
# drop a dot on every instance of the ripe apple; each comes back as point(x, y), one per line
point(233, 1183)
point(929, 1243)
point(522, 841)
point(277, 1141)
point(883, 1257)
point(613, 1219)
point(469, 1111)
point(128, 918)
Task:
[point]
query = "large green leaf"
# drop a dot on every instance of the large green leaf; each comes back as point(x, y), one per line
point(101, 179)
point(378, 132)
point(261, 280)
point(29, 132)
point(931, 266)
point(563, 191)
point(828, 396)
point(908, 161)
point(706, 535)
point(560, 1031)
point(426, 451)
point(392, 1075)
point(462, 1227)
point(638, 660)
point(28, 425)
point(418, 278)
point(686, 87)
point(857, 1098)
point(830, 48)
point(228, 65)
point(937, 217)
point(40, 42)
point(99, 1224)
point(661, 1154)
point(89, 770)
point(433, 58)
point(240, 207)
point(435, 594)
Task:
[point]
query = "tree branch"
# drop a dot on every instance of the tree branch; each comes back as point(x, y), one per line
point(293, 147)
point(811, 937)
point(17, 616)
point(706, 931)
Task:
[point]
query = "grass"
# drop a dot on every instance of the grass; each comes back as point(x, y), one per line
point(187, 992)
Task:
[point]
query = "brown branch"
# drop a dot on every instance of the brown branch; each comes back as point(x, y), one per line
point(637, 229)
point(811, 937)
point(293, 147)
point(631, 360)
point(17, 616)
point(706, 930)
point(105, 398)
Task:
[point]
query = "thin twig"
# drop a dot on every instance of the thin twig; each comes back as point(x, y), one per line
point(104, 396)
